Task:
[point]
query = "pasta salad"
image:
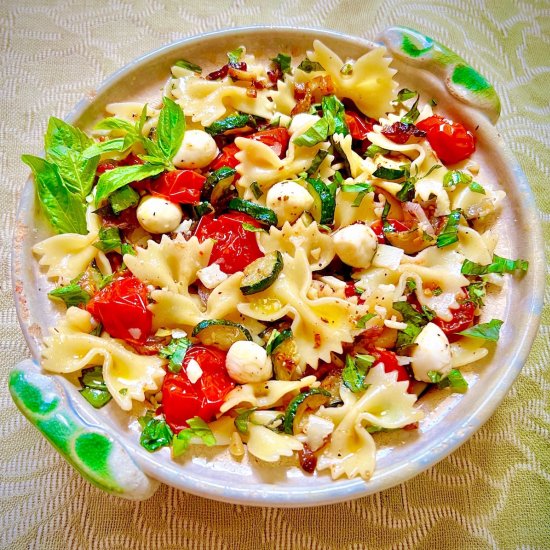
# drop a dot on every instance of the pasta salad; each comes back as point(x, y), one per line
point(278, 256)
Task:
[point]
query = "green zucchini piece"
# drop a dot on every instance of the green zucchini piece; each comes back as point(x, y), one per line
point(220, 333)
point(312, 399)
point(261, 273)
point(284, 356)
point(323, 201)
point(261, 213)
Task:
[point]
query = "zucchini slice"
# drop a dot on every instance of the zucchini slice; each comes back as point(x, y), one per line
point(261, 273)
point(284, 355)
point(324, 204)
point(261, 213)
point(311, 399)
point(220, 333)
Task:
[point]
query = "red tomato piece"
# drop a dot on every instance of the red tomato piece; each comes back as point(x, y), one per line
point(450, 140)
point(225, 158)
point(396, 225)
point(275, 138)
point(389, 360)
point(183, 399)
point(358, 127)
point(179, 186)
point(235, 247)
point(401, 132)
point(121, 307)
point(105, 166)
point(463, 318)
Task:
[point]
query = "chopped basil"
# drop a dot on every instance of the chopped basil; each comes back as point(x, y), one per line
point(498, 265)
point(255, 188)
point(309, 66)
point(232, 122)
point(347, 69)
point(405, 94)
point(126, 248)
point(202, 209)
point(156, 434)
point(455, 381)
point(476, 293)
point(359, 199)
point(314, 135)
point(455, 177)
point(375, 429)
point(123, 391)
point(357, 188)
point(109, 239)
point(184, 64)
point(96, 398)
point(433, 102)
point(415, 321)
point(175, 351)
point(428, 313)
point(319, 158)
point(364, 361)
point(434, 376)
point(72, 295)
point(354, 374)
point(485, 331)
point(476, 188)
point(334, 111)
point(283, 61)
point(413, 114)
point(390, 174)
point(234, 55)
point(197, 428)
point(411, 285)
point(373, 150)
point(253, 228)
point(241, 420)
point(437, 291)
point(123, 198)
point(407, 191)
point(362, 322)
point(94, 389)
point(449, 235)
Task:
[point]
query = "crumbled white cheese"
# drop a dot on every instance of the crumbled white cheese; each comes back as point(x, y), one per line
point(184, 227)
point(211, 276)
point(317, 429)
point(193, 370)
point(135, 333)
point(178, 333)
point(388, 256)
point(394, 323)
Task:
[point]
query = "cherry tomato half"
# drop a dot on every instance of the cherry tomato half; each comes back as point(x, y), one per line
point(179, 186)
point(235, 247)
point(396, 225)
point(358, 127)
point(389, 360)
point(463, 318)
point(225, 158)
point(121, 307)
point(183, 399)
point(450, 140)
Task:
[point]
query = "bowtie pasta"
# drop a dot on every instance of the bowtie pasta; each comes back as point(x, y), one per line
point(279, 257)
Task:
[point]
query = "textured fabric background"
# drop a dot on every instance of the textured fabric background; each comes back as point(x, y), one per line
point(494, 492)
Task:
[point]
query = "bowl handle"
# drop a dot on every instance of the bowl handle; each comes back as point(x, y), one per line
point(463, 82)
point(95, 454)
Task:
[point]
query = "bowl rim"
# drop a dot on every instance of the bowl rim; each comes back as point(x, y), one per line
point(336, 491)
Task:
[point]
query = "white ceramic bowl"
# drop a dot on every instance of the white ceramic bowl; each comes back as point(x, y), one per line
point(102, 445)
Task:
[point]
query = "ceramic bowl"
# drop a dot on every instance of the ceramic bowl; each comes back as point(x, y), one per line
point(103, 445)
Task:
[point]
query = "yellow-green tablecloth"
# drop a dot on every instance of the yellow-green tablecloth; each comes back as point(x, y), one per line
point(494, 492)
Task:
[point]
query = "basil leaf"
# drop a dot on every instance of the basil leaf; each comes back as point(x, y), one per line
point(411, 315)
point(334, 111)
point(61, 133)
point(476, 293)
point(123, 198)
point(94, 389)
point(498, 265)
point(413, 114)
point(314, 135)
point(358, 199)
point(354, 375)
point(455, 381)
point(407, 336)
point(96, 398)
point(239, 120)
point(373, 150)
point(405, 94)
point(309, 66)
point(449, 235)
point(283, 61)
point(484, 331)
point(109, 239)
point(389, 173)
point(357, 188)
point(319, 158)
point(184, 64)
point(116, 144)
point(71, 295)
point(476, 188)
point(170, 128)
point(455, 177)
point(156, 434)
point(362, 322)
point(253, 228)
point(65, 211)
point(126, 248)
point(175, 351)
point(434, 376)
point(234, 55)
point(364, 361)
point(114, 123)
point(197, 428)
point(241, 420)
point(407, 191)
point(347, 69)
point(112, 180)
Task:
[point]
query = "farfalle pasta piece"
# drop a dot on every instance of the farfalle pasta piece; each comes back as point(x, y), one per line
point(283, 97)
point(466, 351)
point(320, 326)
point(70, 348)
point(265, 394)
point(317, 245)
point(270, 446)
point(206, 101)
point(346, 214)
point(385, 404)
point(370, 85)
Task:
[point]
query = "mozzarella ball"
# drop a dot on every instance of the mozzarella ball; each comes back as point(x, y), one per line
point(431, 353)
point(248, 362)
point(288, 200)
point(158, 215)
point(198, 149)
point(355, 244)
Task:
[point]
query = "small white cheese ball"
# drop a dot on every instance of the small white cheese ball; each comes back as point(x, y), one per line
point(355, 244)
point(288, 200)
point(198, 149)
point(248, 362)
point(158, 215)
point(431, 353)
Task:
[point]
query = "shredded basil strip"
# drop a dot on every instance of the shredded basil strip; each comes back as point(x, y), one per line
point(405, 94)
point(390, 174)
point(498, 265)
point(94, 389)
point(485, 331)
point(319, 158)
point(476, 188)
point(232, 122)
point(175, 351)
point(455, 381)
point(109, 239)
point(184, 64)
point(155, 435)
point(455, 177)
point(449, 235)
point(242, 419)
point(72, 295)
point(309, 66)
point(354, 374)
point(123, 198)
point(362, 322)
point(234, 55)
point(373, 150)
point(413, 114)
point(407, 191)
point(283, 61)
point(197, 428)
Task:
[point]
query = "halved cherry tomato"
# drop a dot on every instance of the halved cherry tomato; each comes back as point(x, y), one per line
point(183, 399)
point(121, 307)
point(396, 225)
point(450, 140)
point(235, 247)
point(389, 360)
point(225, 158)
point(463, 318)
point(179, 186)
point(358, 127)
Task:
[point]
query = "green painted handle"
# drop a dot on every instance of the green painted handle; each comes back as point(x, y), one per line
point(96, 455)
point(462, 81)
